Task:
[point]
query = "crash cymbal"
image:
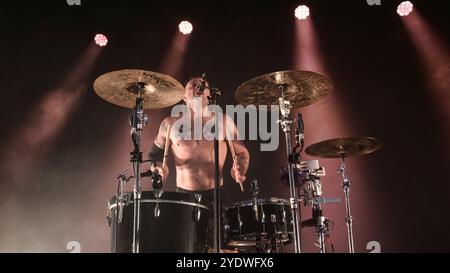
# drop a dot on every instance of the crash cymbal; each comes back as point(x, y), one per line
point(344, 147)
point(302, 88)
point(122, 87)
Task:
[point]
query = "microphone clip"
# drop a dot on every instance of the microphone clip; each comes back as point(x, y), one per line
point(202, 85)
point(254, 187)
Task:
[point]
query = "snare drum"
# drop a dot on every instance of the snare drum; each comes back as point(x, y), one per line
point(175, 222)
point(274, 222)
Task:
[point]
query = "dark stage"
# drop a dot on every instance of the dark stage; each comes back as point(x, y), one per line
point(62, 145)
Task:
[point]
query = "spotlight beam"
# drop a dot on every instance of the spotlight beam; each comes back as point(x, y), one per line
point(435, 58)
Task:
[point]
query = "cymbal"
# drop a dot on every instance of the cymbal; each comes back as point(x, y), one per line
point(122, 87)
point(302, 88)
point(344, 147)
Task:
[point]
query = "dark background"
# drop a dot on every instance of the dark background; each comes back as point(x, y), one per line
point(58, 192)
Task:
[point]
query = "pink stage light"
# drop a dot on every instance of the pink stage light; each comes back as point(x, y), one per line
point(185, 27)
point(405, 8)
point(302, 12)
point(101, 40)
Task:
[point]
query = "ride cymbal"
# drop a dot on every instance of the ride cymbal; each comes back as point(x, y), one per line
point(122, 87)
point(302, 88)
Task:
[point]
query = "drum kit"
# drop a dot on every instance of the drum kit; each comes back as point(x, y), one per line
point(161, 221)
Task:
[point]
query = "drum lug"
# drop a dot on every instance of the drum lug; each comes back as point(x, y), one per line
point(197, 213)
point(108, 218)
point(157, 211)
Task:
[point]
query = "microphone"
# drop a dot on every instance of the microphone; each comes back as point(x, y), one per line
point(201, 86)
point(155, 176)
point(300, 132)
point(157, 181)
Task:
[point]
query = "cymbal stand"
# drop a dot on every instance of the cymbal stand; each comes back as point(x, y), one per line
point(137, 120)
point(348, 218)
point(285, 123)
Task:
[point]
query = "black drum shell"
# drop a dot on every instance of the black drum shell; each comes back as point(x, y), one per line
point(180, 228)
point(275, 220)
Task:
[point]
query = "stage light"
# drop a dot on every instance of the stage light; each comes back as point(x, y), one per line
point(302, 12)
point(405, 8)
point(185, 27)
point(101, 40)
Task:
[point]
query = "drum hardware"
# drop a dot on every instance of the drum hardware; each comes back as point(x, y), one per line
point(254, 188)
point(157, 187)
point(174, 231)
point(342, 148)
point(312, 190)
point(288, 89)
point(197, 212)
point(157, 183)
point(123, 178)
point(275, 241)
point(122, 199)
point(263, 221)
point(273, 221)
point(348, 218)
point(138, 121)
point(126, 199)
point(318, 200)
point(268, 234)
point(138, 89)
point(311, 195)
point(285, 122)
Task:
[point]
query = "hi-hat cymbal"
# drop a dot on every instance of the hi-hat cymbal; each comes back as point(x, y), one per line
point(302, 88)
point(122, 87)
point(344, 147)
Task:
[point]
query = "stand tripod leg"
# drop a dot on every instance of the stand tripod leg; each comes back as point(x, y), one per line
point(348, 217)
point(136, 222)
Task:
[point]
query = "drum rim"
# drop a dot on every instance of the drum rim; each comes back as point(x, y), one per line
point(248, 241)
point(192, 204)
point(262, 201)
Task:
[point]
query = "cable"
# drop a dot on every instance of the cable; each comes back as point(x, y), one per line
point(331, 242)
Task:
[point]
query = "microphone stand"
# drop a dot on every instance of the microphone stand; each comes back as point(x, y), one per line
point(212, 100)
